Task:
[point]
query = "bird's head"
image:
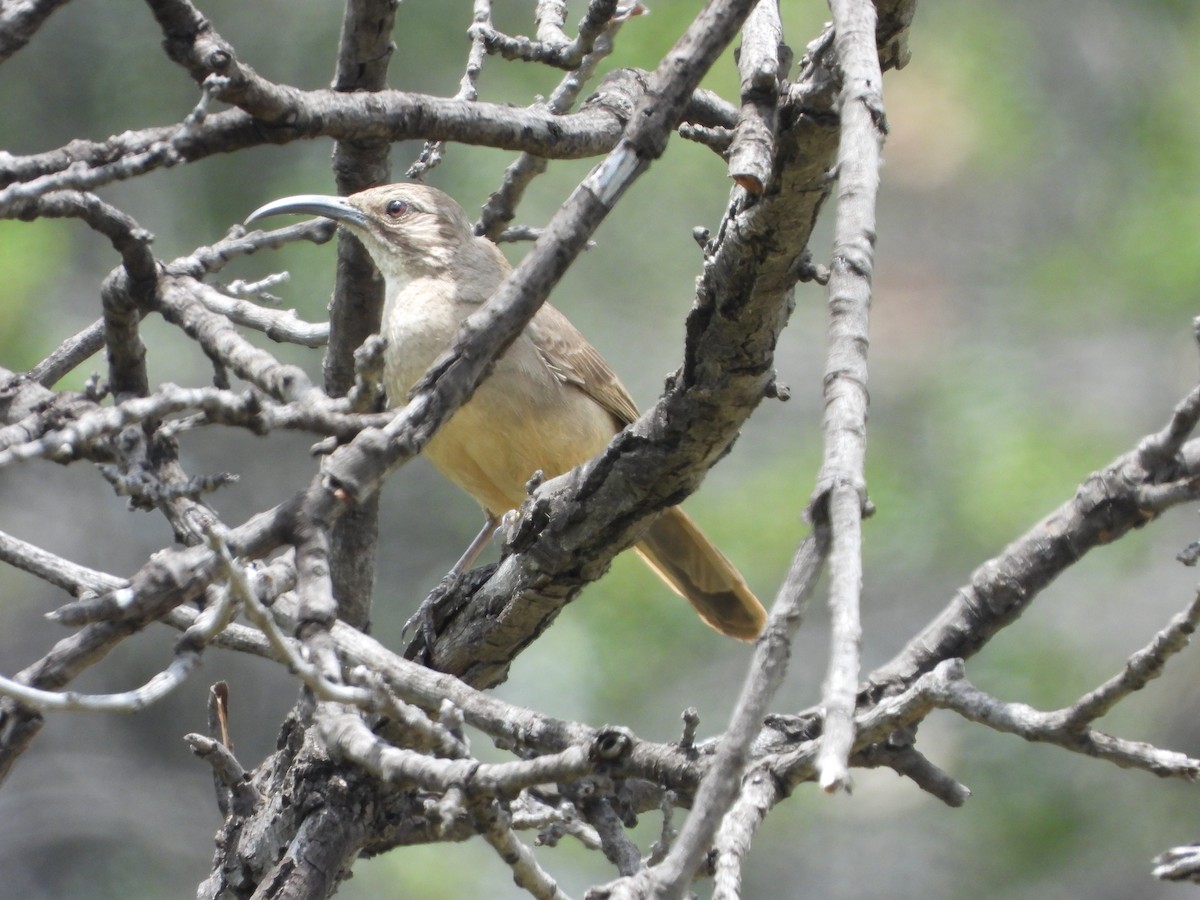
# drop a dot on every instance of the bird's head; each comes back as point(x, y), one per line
point(409, 229)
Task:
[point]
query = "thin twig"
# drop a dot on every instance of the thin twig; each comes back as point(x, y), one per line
point(500, 208)
point(468, 87)
point(527, 873)
point(1141, 668)
point(555, 52)
point(957, 694)
point(211, 621)
point(723, 782)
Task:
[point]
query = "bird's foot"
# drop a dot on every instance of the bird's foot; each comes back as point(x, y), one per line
point(444, 603)
point(422, 624)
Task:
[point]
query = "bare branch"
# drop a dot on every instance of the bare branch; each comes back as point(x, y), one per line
point(468, 88)
point(718, 140)
point(527, 873)
point(180, 302)
point(227, 770)
point(187, 656)
point(316, 679)
point(348, 737)
point(723, 782)
point(552, 46)
point(906, 760)
point(1178, 864)
point(75, 350)
point(1104, 507)
point(20, 20)
point(762, 62)
point(500, 208)
point(1158, 450)
point(282, 325)
point(528, 811)
point(365, 50)
point(841, 492)
point(56, 570)
point(1141, 668)
point(955, 693)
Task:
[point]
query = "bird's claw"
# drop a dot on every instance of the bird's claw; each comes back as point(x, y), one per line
point(422, 624)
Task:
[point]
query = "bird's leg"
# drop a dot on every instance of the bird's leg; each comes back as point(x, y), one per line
point(490, 524)
point(422, 621)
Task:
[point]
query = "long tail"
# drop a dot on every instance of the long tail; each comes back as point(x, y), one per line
point(677, 550)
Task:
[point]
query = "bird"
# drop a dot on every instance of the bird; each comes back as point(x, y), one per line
point(550, 403)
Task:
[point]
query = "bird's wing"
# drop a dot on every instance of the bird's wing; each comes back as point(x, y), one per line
point(569, 356)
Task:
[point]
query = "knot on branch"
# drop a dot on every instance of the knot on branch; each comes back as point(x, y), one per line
point(777, 390)
point(219, 60)
point(531, 522)
point(618, 93)
point(804, 269)
point(611, 744)
point(857, 258)
point(350, 469)
point(817, 512)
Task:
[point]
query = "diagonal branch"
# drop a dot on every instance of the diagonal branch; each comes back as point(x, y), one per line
point(1142, 667)
point(20, 20)
point(957, 694)
point(1107, 505)
point(723, 782)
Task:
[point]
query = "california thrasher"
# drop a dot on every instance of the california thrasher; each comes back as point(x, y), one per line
point(550, 403)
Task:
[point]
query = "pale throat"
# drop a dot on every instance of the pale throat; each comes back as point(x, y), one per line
point(432, 281)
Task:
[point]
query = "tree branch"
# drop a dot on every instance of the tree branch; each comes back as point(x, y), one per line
point(841, 492)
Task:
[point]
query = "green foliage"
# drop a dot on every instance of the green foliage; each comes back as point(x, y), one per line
point(31, 258)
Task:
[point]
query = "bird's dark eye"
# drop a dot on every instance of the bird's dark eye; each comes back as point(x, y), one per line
point(396, 208)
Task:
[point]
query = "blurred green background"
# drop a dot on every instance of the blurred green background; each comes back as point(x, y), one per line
point(1037, 274)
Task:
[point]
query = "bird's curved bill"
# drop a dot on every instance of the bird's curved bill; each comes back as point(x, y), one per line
point(336, 208)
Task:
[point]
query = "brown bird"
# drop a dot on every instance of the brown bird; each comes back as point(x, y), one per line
point(551, 402)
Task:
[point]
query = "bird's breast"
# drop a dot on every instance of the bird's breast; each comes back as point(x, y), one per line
point(419, 325)
point(521, 419)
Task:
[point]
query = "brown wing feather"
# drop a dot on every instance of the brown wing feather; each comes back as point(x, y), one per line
point(574, 361)
point(674, 546)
